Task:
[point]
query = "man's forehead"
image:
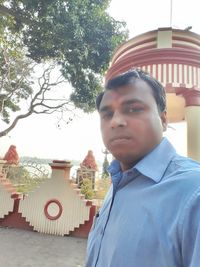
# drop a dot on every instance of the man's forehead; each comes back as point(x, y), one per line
point(139, 91)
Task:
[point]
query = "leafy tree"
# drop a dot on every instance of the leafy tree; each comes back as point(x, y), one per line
point(23, 179)
point(78, 35)
point(15, 69)
point(102, 186)
point(19, 85)
point(105, 173)
point(86, 188)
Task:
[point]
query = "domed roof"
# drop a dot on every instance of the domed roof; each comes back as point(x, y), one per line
point(172, 56)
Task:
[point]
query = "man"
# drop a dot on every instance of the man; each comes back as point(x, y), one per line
point(151, 214)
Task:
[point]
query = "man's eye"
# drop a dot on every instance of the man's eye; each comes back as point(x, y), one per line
point(107, 115)
point(134, 109)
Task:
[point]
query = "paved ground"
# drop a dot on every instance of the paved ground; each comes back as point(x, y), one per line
point(31, 249)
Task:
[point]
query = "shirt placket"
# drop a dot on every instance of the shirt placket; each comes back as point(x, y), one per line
point(115, 182)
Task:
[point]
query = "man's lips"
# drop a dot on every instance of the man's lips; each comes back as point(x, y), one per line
point(118, 139)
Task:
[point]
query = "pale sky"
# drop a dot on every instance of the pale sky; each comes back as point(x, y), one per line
point(38, 135)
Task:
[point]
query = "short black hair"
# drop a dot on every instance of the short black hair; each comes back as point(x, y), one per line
point(130, 77)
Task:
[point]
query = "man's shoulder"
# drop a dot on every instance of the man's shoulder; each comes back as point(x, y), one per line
point(186, 163)
point(184, 169)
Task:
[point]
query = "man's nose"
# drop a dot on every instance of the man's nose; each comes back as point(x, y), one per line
point(118, 120)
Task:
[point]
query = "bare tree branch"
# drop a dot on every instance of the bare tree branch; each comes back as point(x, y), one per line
point(49, 107)
point(14, 123)
point(40, 104)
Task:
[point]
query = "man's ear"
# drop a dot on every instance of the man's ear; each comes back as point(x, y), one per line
point(163, 117)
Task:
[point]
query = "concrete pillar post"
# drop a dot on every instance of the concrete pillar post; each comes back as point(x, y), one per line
point(61, 168)
point(192, 116)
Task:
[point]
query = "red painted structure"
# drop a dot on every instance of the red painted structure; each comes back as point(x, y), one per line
point(172, 56)
point(13, 217)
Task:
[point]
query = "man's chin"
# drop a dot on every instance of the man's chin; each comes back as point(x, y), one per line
point(125, 157)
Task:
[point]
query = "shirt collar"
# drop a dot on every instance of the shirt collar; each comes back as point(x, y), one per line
point(114, 167)
point(116, 173)
point(153, 165)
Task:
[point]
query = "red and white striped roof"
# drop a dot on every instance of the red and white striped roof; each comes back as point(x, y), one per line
point(172, 56)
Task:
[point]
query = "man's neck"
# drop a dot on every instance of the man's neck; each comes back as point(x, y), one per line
point(128, 166)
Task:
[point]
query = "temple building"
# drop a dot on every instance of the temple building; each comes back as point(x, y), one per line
point(172, 56)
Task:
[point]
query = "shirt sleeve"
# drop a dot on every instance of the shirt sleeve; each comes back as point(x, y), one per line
point(190, 236)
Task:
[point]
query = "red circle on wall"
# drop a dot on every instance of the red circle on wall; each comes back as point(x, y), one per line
point(53, 209)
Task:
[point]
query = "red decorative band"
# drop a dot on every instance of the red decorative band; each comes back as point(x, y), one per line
point(192, 96)
point(46, 211)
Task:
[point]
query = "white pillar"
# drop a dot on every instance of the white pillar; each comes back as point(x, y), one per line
point(192, 115)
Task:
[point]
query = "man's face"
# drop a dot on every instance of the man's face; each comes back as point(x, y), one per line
point(131, 124)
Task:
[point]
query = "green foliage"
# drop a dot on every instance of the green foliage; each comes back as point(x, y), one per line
point(29, 185)
point(45, 161)
point(105, 173)
point(86, 188)
point(23, 180)
point(15, 173)
point(102, 186)
point(78, 35)
point(15, 70)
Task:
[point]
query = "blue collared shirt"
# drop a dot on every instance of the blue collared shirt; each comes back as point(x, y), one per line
point(151, 214)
